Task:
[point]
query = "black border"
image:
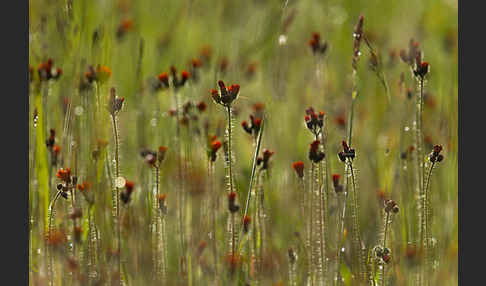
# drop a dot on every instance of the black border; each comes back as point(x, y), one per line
point(14, 118)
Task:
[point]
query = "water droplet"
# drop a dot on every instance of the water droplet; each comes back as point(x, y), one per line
point(120, 182)
point(78, 110)
point(406, 129)
point(153, 122)
point(282, 40)
point(342, 249)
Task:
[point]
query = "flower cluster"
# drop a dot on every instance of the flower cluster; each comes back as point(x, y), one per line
point(316, 45)
point(435, 156)
point(115, 103)
point(66, 179)
point(335, 181)
point(226, 95)
point(84, 190)
point(347, 152)
point(152, 158)
point(299, 168)
point(314, 121)
point(53, 148)
point(125, 195)
point(99, 75)
point(246, 224)
point(213, 146)
point(232, 205)
point(162, 205)
point(382, 253)
point(316, 155)
point(125, 26)
point(409, 57)
point(264, 161)
point(163, 81)
point(46, 71)
point(391, 206)
point(254, 127)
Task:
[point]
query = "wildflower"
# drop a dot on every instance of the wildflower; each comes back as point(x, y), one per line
point(161, 153)
point(214, 146)
point(314, 121)
point(50, 141)
point(149, 156)
point(232, 206)
point(64, 175)
point(254, 127)
point(315, 155)
point(205, 54)
point(435, 156)
point(161, 199)
point(100, 75)
point(195, 65)
point(46, 71)
point(264, 160)
point(176, 82)
point(125, 26)
point(299, 168)
point(346, 153)
point(335, 181)
point(250, 70)
point(391, 206)
point(292, 256)
point(246, 224)
point(315, 44)
point(201, 106)
point(164, 79)
point(421, 69)
point(226, 95)
point(126, 194)
point(115, 103)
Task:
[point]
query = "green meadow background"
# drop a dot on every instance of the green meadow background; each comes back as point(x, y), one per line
point(273, 35)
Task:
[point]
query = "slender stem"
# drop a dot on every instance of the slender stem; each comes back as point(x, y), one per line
point(228, 109)
point(384, 246)
point(356, 218)
point(117, 193)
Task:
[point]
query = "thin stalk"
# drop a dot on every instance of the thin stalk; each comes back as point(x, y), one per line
point(383, 281)
point(117, 194)
point(253, 169)
point(356, 230)
point(340, 234)
point(230, 159)
point(52, 214)
point(311, 223)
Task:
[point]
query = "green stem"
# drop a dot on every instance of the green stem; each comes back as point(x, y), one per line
point(384, 246)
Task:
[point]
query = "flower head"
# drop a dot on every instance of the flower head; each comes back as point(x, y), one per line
point(299, 168)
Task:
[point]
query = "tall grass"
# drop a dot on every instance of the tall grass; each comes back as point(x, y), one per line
point(240, 216)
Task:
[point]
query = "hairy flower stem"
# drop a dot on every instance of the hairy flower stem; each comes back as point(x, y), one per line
point(52, 214)
point(117, 195)
point(356, 230)
point(387, 218)
point(426, 220)
point(420, 173)
point(340, 233)
point(311, 230)
point(230, 156)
